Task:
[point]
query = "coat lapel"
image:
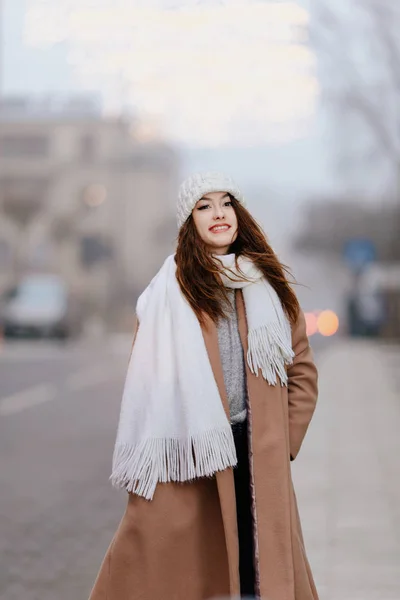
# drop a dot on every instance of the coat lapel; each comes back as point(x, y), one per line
point(271, 480)
point(225, 480)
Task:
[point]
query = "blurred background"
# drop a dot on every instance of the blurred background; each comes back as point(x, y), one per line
point(104, 108)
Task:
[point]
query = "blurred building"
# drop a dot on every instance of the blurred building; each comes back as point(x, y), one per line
point(83, 196)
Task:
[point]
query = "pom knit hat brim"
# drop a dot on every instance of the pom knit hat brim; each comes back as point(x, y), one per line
point(198, 184)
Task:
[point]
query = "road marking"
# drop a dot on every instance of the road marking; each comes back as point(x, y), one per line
point(33, 396)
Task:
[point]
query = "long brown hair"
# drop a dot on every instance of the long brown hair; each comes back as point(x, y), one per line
point(198, 273)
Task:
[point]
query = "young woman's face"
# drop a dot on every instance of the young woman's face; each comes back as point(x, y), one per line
point(216, 222)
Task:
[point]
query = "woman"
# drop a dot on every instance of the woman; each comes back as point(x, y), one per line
point(220, 390)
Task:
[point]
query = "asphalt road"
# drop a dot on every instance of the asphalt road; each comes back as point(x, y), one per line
point(58, 415)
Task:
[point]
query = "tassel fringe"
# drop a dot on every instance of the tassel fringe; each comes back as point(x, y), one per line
point(269, 351)
point(139, 469)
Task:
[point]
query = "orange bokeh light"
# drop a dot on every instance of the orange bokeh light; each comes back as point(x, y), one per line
point(311, 323)
point(327, 323)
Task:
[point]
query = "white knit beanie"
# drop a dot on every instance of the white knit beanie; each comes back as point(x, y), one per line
point(198, 184)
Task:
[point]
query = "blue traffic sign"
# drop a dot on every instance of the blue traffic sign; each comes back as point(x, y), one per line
point(358, 253)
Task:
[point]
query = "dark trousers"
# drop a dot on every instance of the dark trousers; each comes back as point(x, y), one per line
point(243, 510)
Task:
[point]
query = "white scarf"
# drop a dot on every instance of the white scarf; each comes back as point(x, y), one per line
point(172, 425)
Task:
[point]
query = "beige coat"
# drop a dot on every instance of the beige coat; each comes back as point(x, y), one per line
point(183, 545)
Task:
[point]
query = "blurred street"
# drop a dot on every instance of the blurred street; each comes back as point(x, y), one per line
point(58, 414)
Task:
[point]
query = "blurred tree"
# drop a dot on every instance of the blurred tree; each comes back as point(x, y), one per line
point(359, 48)
point(358, 44)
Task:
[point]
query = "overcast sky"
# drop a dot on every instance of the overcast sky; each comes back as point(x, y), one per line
point(211, 75)
point(207, 73)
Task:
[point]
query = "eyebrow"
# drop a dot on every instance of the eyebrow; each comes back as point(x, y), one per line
point(206, 198)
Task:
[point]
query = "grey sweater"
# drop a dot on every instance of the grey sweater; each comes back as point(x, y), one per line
point(232, 359)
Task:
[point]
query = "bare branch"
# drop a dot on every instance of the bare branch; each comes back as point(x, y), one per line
point(352, 86)
point(383, 22)
point(372, 116)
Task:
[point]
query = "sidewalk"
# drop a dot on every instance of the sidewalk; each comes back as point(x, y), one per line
point(347, 475)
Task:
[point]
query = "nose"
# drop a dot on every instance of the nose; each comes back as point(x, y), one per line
point(219, 212)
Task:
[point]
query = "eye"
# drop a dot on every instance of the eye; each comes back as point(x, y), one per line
point(228, 203)
point(203, 207)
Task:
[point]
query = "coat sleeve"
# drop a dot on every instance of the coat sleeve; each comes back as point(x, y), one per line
point(302, 386)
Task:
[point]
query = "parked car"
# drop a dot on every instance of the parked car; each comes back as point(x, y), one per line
point(40, 305)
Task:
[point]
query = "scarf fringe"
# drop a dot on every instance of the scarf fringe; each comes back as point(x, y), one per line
point(138, 469)
point(269, 351)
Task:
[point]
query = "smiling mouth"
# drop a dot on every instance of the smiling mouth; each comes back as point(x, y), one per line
point(219, 228)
